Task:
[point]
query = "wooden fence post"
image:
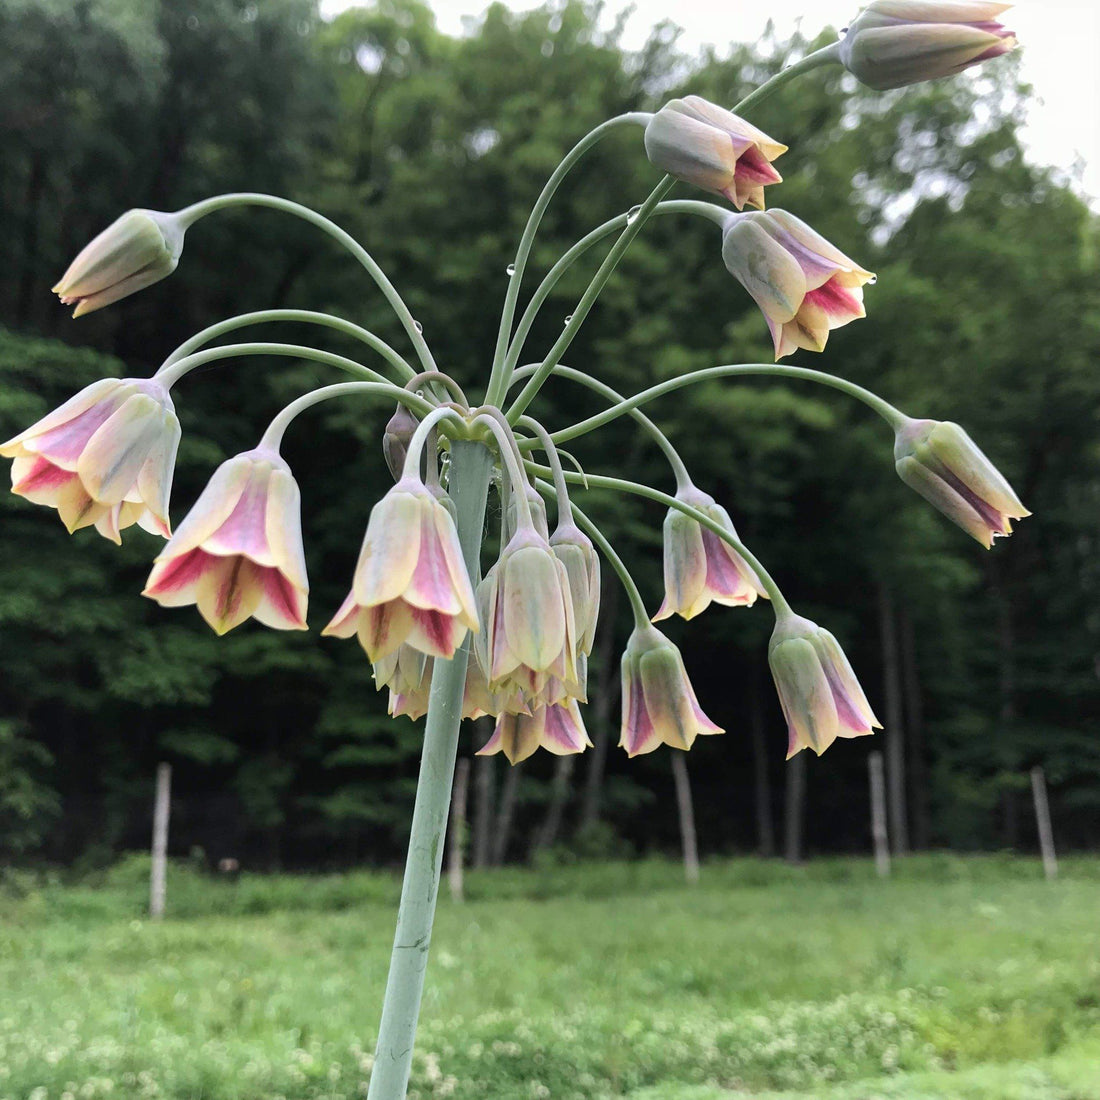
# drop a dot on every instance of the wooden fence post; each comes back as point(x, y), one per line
point(878, 814)
point(687, 817)
point(161, 809)
point(1042, 818)
point(458, 828)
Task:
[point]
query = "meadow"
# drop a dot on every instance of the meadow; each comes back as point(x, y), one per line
point(960, 977)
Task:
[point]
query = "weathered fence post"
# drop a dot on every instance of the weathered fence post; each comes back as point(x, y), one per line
point(457, 844)
point(687, 817)
point(1042, 818)
point(878, 814)
point(161, 808)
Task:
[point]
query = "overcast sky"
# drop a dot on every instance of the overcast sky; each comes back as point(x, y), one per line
point(1060, 40)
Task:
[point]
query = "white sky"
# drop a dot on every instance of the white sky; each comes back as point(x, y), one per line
point(1060, 40)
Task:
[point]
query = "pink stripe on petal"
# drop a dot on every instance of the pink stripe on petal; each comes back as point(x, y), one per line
point(435, 633)
point(753, 166)
point(724, 579)
point(638, 734)
point(346, 620)
point(839, 304)
point(64, 443)
point(244, 531)
point(42, 476)
point(563, 730)
point(170, 576)
point(282, 606)
point(431, 585)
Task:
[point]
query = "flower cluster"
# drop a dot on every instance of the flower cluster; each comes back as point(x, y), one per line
point(105, 458)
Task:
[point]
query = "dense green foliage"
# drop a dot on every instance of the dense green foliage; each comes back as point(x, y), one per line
point(967, 978)
point(431, 150)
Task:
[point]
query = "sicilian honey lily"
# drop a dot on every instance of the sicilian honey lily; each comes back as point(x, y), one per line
point(892, 43)
point(133, 252)
point(818, 691)
point(699, 566)
point(804, 286)
point(411, 585)
point(942, 463)
point(559, 729)
point(659, 704)
point(105, 457)
point(704, 144)
point(238, 553)
point(574, 549)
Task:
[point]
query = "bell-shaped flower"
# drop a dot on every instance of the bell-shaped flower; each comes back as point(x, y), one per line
point(105, 457)
point(403, 671)
point(133, 252)
point(659, 705)
point(706, 145)
point(892, 43)
point(699, 566)
point(530, 632)
point(410, 585)
point(238, 552)
point(818, 691)
point(803, 285)
point(944, 465)
point(558, 729)
point(574, 549)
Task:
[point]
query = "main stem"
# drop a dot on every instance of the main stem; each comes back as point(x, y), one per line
point(469, 486)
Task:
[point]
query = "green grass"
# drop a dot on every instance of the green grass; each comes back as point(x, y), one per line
point(959, 978)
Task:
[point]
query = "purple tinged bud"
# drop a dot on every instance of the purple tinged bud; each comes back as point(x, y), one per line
point(942, 463)
point(395, 440)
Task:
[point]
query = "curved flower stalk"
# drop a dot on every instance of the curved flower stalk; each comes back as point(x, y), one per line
point(700, 567)
point(704, 144)
point(892, 43)
point(104, 458)
point(804, 286)
point(818, 691)
point(238, 553)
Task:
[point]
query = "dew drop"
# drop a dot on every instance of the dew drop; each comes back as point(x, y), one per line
point(418, 326)
point(511, 270)
point(568, 319)
point(632, 214)
point(872, 280)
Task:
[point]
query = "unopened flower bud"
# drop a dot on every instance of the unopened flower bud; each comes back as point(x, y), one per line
point(133, 252)
point(395, 440)
point(701, 143)
point(818, 691)
point(892, 43)
point(659, 705)
point(803, 285)
point(942, 463)
point(574, 549)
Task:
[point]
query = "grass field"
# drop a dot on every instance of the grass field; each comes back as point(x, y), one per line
point(966, 978)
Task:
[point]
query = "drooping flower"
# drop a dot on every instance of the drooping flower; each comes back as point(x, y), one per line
point(133, 252)
point(531, 635)
point(659, 704)
point(892, 43)
point(701, 143)
point(803, 285)
point(699, 566)
point(818, 691)
point(574, 549)
point(411, 585)
point(559, 729)
point(942, 463)
point(105, 457)
point(238, 552)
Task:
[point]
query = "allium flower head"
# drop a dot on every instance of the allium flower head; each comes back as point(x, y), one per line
point(942, 463)
point(699, 566)
point(818, 691)
point(238, 552)
point(411, 585)
point(892, 43)
point(701, 143)
point(133, 252)
point(558, 729)
point(659, 705)
point(105, 457)
point(803, 285)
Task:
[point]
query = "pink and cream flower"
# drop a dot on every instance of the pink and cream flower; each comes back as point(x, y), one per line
point(659, 704)
point(411, 585)
point(104, 458)
point(804, 286)
point(699, 566)
point(559, 729)
point(704, 144)
point(238, 552)
point(818, 691)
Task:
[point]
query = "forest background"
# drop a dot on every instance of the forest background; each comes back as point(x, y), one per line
point(430, 149)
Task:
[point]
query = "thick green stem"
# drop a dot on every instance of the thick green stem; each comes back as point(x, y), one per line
point(305, 316)
point(827, 55)
point(470, 467)
point(197, 210)
point(894, 417)
point(495, 392)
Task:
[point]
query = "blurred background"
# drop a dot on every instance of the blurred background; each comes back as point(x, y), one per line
point(430, 144)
